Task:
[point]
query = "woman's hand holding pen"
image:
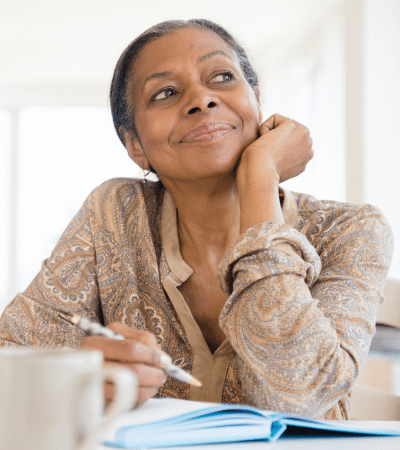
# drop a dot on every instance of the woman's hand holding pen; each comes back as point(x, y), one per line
point(138, 352)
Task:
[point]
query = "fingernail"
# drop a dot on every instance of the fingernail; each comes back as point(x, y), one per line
point(165, 359)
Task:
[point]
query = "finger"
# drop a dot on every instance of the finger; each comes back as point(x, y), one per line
point(127, 351)
point(264, 129)
point(144, 337)
point(144, 393)
point(274, 121)
point(147, 376)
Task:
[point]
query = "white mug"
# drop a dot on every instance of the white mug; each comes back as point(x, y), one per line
point(54, 400)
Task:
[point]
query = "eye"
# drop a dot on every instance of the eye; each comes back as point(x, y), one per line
point(163, 94)
point(222, 77)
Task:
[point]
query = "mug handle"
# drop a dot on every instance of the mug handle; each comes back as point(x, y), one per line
point(124, 400)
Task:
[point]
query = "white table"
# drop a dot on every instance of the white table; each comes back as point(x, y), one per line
point(307, 443)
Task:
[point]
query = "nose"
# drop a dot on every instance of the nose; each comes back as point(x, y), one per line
point(200, 100)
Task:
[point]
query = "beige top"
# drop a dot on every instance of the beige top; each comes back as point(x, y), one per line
point(209, 368)
point(303, 296)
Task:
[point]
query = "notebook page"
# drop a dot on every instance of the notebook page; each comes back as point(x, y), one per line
point(153, 410)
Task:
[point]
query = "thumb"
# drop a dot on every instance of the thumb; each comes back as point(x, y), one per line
point(264, 128)
point(273, 122)
point(269, 124)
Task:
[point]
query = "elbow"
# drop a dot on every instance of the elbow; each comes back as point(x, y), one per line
point(313, 391)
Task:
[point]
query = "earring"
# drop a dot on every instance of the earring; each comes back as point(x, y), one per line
point(145, 175)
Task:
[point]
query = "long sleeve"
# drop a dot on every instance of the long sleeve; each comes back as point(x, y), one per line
point(66, 284)
point(301, 321)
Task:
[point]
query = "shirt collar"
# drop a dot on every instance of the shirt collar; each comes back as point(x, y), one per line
point(169, 231)
point(289, 207)
point(170, 241)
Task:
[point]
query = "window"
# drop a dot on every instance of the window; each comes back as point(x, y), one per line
point(53, 156)
point(5, 203)
point(63, 154)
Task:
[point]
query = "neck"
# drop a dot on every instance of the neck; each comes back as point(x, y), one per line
point(208, 219)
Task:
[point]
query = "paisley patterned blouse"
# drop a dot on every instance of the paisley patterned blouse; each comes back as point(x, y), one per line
point(303, 296)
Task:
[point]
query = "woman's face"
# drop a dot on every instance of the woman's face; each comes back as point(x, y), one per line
point(194, 112)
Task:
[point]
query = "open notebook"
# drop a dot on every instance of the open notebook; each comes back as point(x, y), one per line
point(171, 422)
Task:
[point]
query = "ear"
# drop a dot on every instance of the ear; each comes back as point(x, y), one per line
point(260, 116)
point(135, 150)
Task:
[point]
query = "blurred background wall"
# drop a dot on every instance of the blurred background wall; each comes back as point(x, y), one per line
point(333, 65)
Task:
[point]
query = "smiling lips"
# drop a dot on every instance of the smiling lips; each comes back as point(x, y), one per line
point(212, 131)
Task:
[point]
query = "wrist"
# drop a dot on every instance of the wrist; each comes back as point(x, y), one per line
point(259, 200)
point(249, 181)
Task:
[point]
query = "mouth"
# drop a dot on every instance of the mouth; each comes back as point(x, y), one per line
point(212, 131)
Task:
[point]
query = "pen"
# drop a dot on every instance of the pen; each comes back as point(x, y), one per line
point(98, 329)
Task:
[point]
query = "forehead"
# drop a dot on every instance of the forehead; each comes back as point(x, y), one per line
point(174, 48)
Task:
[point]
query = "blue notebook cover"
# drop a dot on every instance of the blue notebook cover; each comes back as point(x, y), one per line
point(171, 422)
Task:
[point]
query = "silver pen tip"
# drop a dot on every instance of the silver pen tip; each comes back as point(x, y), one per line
point(195, 382)
point(75, 318)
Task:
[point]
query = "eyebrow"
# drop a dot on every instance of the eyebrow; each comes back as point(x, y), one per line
point(212, 54)
point(166, 74)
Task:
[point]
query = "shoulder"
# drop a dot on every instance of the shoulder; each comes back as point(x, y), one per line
point(125, 197)
point(121, 190)
point(333, 213)
point(352, 240)
point(116, 187)
point(326, 221)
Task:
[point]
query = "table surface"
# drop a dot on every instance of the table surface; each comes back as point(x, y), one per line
point(386, 341)
point(304, 442)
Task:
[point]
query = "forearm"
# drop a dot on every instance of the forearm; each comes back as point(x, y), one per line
point(258, 197)
point(300, 350)
point(27, 323)
point(290, 357)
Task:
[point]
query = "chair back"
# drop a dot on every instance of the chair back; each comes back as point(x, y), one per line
point(389, 310)
point(376, 394)
point(368, 403)
point(381, 372)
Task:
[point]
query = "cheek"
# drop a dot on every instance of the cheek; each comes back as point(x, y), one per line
point(249, 106)
point(153, 131)
point(251, 120)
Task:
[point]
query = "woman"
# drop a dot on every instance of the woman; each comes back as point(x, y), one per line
point(301, 279)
